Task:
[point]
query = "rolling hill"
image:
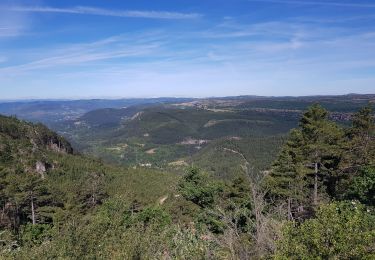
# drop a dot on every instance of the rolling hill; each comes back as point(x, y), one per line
point(52, 111)
point(170, 133)
point(163, 135)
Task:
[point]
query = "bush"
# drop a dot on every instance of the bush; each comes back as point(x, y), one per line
point(198, 188)
point(362, 187)
point(342, 230)
point(36, 234)
point(155, 216)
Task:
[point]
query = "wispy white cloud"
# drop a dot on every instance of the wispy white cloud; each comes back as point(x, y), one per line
point(10, 32)
point(12, 24)
point(83, 53)
point(275, 42)
point(275, 31)
point(243, 57)
point(322, 3)
point(86, 10)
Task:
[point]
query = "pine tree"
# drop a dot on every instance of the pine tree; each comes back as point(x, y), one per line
point(92, 191)
point(308, 162)
point(287, 181)
point(357, 166)
point(5, 151)
point(29, 194)
point(321, 148)
point(361, 135)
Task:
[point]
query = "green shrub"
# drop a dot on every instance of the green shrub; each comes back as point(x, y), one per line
point(198, 188)
point(362, 187)
point(341, 230)
point(35, 234)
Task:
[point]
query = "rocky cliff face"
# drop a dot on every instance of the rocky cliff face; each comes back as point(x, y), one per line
point(38, 135)
point(29, 145)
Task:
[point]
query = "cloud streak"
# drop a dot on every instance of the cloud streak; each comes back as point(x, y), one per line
point(80, 54)
point(233, 58)
point(302, 2)
point(86, 10)
point(290, 43)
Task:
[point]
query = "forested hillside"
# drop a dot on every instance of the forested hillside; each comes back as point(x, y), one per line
point(173, 133)
point(315, 202)
point(200, 132)
point(47, 191)
point(169, 135)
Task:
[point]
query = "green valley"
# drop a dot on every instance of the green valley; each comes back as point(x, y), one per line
point(199, 131)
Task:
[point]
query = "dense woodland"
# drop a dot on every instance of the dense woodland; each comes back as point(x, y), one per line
point(316, 201)
point(170, 135)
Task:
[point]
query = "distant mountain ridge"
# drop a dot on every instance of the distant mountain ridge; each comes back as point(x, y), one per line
point(48, 111)
point(173, 131)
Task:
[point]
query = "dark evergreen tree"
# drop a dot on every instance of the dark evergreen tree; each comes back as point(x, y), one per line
point(92, 191)
point(360, 145)
point(33, 197)
point(321, 149)
point(287, 179)
point(358, 159)
point(306, 169)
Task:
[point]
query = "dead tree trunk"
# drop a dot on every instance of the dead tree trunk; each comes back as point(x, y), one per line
point(33, 211)
point(289, 209)
point(315, 197)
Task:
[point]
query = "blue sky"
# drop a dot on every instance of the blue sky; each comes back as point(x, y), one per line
point(96, 48)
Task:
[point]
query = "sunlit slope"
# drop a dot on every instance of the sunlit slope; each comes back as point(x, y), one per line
point(167, 136)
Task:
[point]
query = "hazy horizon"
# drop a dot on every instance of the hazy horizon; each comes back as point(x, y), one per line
point(172, 97)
